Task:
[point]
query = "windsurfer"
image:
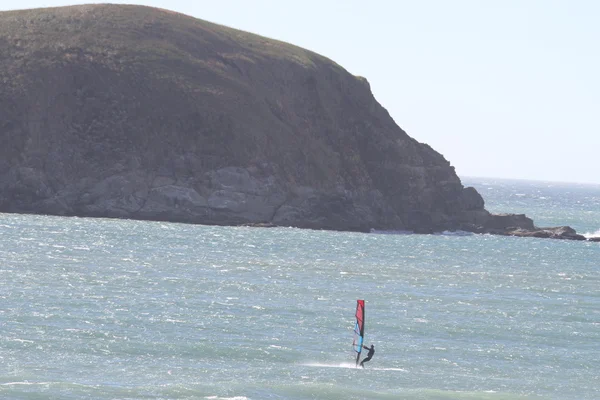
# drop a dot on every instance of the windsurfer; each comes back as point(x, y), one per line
point(369, 354)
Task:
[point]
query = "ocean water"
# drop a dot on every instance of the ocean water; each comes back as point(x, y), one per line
point(117, 309)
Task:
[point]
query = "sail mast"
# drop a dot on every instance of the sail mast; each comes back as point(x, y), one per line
point(359, 328)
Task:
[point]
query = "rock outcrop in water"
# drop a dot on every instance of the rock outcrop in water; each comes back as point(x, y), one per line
point(134, 112)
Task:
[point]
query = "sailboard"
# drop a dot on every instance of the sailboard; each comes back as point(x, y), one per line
point(359, 329)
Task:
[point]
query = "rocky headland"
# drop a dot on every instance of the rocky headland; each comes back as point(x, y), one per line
point(134, 112)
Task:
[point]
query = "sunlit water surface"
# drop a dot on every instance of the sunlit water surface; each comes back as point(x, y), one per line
point(116, 309)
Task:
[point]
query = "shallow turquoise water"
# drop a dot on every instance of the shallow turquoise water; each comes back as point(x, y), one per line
point(115, 309)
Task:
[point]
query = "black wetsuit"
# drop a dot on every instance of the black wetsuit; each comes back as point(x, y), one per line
point(369, 355)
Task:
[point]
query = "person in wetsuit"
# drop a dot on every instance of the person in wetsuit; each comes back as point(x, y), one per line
point(369, 355)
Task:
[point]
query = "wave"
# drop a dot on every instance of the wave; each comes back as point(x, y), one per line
point(351, 366)
point(402, 232)
point(456, 233)
point(391, 232)
point(337, 365)
point(589, 235)
point(343, 391)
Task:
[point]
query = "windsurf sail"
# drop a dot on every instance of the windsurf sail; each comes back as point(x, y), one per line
point(359, 328)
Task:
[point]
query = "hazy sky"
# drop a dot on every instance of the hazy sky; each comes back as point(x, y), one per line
point(502, 88)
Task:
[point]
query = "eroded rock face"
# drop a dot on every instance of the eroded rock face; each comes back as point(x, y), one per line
point(134, 112)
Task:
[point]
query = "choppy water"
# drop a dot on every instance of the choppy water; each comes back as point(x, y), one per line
point(114, 309)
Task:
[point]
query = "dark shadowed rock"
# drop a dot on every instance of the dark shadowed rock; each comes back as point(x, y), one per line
point(561, 232)
point(134, 112)
point(509, 222)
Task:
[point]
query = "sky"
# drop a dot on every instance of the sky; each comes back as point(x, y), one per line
point(501, 88)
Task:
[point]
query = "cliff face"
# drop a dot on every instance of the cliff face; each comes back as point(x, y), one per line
point(129, 111)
